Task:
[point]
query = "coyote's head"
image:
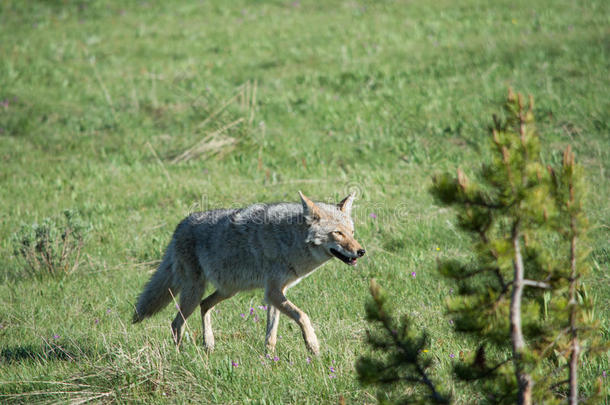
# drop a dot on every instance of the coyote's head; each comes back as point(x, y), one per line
point(331, 229)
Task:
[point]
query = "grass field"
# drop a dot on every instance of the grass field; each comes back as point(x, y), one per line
point(137, 113)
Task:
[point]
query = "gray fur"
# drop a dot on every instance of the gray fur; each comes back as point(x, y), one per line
point(270, 246)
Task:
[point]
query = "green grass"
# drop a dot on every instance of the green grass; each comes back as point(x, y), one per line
point(100, 97)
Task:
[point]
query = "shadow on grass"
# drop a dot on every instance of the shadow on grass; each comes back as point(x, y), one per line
point(90, 380)
point(43, 352)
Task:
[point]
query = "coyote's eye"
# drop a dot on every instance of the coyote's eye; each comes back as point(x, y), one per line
point(338, 233)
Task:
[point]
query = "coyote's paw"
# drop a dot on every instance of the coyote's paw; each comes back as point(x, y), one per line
point(269, 348)
point(208, 343)
point(313, 347)
point(176, 337)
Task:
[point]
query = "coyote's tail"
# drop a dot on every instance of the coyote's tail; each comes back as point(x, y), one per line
point(157, 294)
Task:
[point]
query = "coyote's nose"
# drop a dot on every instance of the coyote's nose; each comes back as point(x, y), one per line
point(361, 252)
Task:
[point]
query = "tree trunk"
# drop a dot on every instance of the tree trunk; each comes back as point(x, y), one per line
point(524, 380)
point(573, 398)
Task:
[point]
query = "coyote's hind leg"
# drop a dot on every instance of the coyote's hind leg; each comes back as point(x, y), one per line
point(206, 306)
point(189, 299)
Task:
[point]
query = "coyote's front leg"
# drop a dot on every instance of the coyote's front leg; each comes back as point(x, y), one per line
point(276, 297)
point(273, 320)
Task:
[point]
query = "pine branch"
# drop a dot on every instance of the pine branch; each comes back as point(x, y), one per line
point(534, 283)
point(407, 351)
point(559, 383)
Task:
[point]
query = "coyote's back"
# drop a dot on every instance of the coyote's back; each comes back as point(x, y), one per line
point(270, 246)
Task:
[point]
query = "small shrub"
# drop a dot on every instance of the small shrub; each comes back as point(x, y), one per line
point(398, 357)
point(53, 246)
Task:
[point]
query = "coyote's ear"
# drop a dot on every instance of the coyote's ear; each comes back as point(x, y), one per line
point(346, 204)
point(310, 209)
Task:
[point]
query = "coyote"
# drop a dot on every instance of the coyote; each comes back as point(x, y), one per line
point(270, 246)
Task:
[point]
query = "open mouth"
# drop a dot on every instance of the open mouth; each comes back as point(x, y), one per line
point(343, 258)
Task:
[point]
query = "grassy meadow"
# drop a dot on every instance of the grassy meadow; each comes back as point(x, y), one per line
point(137, 113)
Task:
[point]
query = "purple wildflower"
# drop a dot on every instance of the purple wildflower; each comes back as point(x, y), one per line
point(373, 215)
point(234, 364)
point(251, 310)
point(242, 315)
point(332, 376)
point(413, 274)
point(275, 358)
point(604, 374)
point(110, 310)
point(452, 355)
point(56, 336)
point(97, 321)
point(268, 356)
point(308, 360)
point(332, 369)
point(263, 307)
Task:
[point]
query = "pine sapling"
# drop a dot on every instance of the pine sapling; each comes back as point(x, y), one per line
point(525, 221)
